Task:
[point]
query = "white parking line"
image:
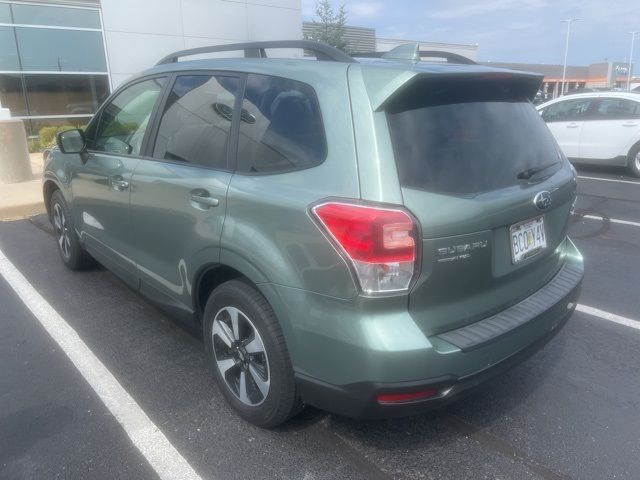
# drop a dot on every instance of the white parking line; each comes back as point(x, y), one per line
point(611, 317)
point(612, 220)
point(145, 435)
point(609, 180)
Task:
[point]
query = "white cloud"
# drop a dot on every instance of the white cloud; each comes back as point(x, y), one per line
point(364, 9)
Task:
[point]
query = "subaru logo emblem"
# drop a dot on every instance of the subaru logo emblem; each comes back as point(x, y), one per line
point(542, 200)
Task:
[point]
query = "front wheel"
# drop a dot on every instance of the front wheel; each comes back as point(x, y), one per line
point(248, 356)
point(71, 252)
point(634, 161)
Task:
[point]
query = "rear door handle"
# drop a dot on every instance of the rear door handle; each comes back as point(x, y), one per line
point(573, 125)
point(119, 183)
point(630, 124)
point(202, 200)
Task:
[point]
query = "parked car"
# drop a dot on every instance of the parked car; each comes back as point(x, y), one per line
point(575, 91)
point(372, 238)
point(597, 128)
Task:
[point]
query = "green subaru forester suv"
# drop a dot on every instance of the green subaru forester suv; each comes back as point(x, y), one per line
point(372, 237)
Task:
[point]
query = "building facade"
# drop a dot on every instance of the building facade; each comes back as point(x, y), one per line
point(60, 59)
point(53, 67)
point(359, 39)
point(603, 75)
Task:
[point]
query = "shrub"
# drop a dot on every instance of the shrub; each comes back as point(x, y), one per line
point(34, 145)
point(47, 135)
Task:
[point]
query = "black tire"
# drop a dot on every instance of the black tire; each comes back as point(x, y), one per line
point(633, 161)
point(69, 248)
point(281, 401)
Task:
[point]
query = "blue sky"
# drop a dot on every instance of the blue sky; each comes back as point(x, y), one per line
point(506, 30)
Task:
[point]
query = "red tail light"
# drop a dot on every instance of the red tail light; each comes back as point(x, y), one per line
point(379, 242)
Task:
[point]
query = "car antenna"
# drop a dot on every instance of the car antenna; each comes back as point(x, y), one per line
point(408, 52)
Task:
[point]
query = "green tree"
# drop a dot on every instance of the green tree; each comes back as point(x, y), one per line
point(330, 27)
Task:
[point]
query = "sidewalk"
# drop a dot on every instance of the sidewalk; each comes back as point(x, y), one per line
point(18, 200)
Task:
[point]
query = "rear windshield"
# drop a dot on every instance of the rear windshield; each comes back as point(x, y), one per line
point(468, 136)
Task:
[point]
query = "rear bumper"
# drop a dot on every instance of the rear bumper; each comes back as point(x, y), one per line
point(458, 368)
point(358, 400)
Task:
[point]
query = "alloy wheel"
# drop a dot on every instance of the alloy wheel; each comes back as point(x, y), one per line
point(637, 160)
point(240, 356)
point(62, 230)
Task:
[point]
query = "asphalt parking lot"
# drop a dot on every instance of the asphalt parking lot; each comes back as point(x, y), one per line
point(570, 411)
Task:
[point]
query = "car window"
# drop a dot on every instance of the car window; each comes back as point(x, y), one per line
point(463, 138)
point(197, 119)
point(124, 119)
point(567, 110)
point(616, 109)
point(281, 127)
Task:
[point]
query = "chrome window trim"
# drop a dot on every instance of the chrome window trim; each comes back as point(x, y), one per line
point(50, 27)
point(56, 4)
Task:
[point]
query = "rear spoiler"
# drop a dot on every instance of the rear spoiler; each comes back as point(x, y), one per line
point(384, 85)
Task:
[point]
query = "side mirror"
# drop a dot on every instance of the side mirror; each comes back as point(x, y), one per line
point(71, 141)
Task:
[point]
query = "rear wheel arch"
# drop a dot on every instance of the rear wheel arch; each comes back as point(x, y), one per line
point(633, 163)
point(633, 148)
point(208, 279)
point(211, 276)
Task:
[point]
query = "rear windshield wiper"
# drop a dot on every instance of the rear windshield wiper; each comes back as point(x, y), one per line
point(530, 172)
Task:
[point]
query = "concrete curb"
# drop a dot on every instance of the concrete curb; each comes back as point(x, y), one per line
point(15, 212)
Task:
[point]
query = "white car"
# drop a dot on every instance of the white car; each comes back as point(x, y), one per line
point(597, 128)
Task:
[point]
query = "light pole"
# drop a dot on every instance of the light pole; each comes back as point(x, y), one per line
point(633, 38)
point(566, 51)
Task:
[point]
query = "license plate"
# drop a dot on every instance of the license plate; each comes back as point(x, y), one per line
point(527, 239)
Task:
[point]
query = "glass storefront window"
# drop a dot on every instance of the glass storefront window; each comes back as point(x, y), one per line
point(60, 50)
point(11, 94)
point(74, 43)
point(65, 94)
point(55, 16)
point(22, 14)
point(5, 13)
point(34, 126)
point(8, 51)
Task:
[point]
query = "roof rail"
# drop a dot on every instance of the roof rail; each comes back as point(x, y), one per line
point(323, 51)
point(410, 52)
point(448, 56)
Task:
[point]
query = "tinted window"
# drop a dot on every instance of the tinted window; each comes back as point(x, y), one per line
point(61, 50)
point(124, 119)
point(65, 94)
point(616, 109)
point(8, 50)
point(281, 126)
point(5, 13)
point(466, 138)
point(11, 94)
point(55, 16)
point(568, 110)
point(196, 121)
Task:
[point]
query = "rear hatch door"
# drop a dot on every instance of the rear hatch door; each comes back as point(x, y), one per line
point(491, 191)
